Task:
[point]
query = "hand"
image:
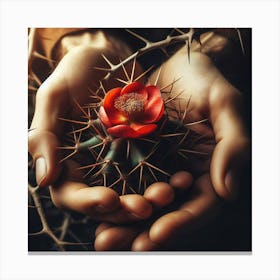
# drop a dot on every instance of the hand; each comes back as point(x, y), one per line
point(214, 98)
point(58, 96)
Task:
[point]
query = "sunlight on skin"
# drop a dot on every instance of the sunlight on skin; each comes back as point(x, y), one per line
point(211, 95)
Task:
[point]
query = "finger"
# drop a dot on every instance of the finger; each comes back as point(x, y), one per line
point(79, 197)
point(137, 205)
point(159, 194)
point(55, 100)
point(201, 207)
point(117, 238)
point(126, 236)
point(132, 208)
point(232, 151)
point(51, 103)
point(42, 145)
point(181, 180)
point(102, 227)
point(143, 243)
point(98, 202)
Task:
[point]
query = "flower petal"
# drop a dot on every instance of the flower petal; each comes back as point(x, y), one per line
point(113, 114)
point(146, 129)
point(126, 131)
point(153, 92)
point(153, 111)
point(103, 117)
point(154, 108)
point(135, 87)
point(110, 97)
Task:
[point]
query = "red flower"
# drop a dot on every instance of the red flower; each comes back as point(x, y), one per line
point(132, 111)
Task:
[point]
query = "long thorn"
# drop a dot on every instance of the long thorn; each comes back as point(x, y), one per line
point(90, 165)
point(102, 87)
point(80, 129)
point(125, 72)
point(184, 137)
point(81, 108)
point(174, 97)
point(124, 187)
point(157, 77)
point(101, 170)
point(114, 183)
point(240, 40)
point(186, 108)
point(96, 146)
point(108, 61)
point(153, 150)
point(182, 155)
point(38, 55)
point(176, 80)
point(172, 135)
point(196, 122)
point(103, 69)
point(133, 69)
point(123, 81)
point(138, 36)
point(144, 73)
point(101, 151)
point(135, 168)
point(91, 169)
point(127, 148)
point(66, 148)
point(104, 179)
point(153, 174)
point(140, 178)
point(129, 187)
point(72, 121)
point(67, 157)
point(193, 152)
point(158, 169)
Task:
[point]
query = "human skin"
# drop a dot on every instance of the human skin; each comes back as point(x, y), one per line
point(211, 96)
point(214, 98)
point(70, 81)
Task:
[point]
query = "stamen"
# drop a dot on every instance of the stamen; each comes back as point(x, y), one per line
point(130, 103)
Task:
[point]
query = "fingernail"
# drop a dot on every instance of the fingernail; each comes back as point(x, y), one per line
point(41, 170)
point(232, 183)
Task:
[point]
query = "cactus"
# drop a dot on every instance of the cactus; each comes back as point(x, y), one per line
point(129, 165)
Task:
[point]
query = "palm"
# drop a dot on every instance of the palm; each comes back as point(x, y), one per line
point(200, 84)
point(60, 101)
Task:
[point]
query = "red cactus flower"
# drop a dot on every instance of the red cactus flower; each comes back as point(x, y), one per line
point(132, 111)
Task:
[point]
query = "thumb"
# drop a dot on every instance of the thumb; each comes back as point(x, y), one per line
point(42, 145)
point(51, 103)
point(232, 151)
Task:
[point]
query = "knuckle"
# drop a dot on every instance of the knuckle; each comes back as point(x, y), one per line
point(56, 198)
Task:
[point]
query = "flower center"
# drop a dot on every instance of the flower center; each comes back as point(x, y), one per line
point(130, 103)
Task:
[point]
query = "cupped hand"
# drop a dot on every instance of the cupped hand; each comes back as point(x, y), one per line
point(72, 83)
point(213, 98)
